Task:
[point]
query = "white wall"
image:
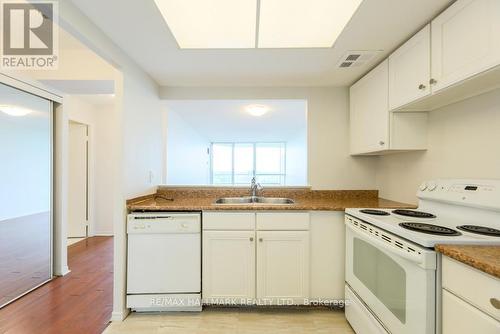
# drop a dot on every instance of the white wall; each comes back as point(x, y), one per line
point(296, 160)
point(142, 136)
point(329, 163)
point(137, 139)
point(187, 158)
point(464, 142)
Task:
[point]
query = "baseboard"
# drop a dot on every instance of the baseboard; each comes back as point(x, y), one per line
point(63, 272)
point(119, 316)
point(103, 234)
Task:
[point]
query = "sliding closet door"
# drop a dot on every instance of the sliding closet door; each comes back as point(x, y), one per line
point(25, 192)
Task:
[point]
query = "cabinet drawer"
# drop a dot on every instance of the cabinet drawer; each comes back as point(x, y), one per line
point(229, 221)
point(283, 221)
point(472, 285)
point(460, 317)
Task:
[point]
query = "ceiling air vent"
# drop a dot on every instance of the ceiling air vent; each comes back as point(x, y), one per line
point(356, 58)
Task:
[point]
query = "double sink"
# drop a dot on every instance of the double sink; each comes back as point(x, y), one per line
point(255, 200)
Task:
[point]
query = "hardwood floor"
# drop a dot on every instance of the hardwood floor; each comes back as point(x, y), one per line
point(236, 321)
point(80, 302)
point(24, 257)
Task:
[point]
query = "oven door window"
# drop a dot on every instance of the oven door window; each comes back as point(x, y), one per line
point(384, 277)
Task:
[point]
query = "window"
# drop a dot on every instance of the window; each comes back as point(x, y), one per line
point(238, 163)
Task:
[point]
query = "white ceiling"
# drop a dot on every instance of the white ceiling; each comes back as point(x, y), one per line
point(227, 120)
point(139, 29)
point(97, 100)
point(76, 63)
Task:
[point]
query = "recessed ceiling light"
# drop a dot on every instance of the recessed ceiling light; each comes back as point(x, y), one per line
point(257, 109)
point(211, 24)
point(15, 111)
point(303, 23)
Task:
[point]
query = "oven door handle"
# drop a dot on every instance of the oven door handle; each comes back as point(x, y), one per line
point(396, 251)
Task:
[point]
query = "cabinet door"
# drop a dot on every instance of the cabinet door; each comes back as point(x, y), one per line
point(465, 41)
point(460, 317)
point(369, 111)
point(283, 267)
point(327, 237)
point(228, 266)
point(410, 70)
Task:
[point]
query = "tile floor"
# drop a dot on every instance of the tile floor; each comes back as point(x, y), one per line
point(236, 321)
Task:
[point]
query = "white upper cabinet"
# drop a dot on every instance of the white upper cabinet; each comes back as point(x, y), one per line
point(369, 116)
point(465, 41)
point(409, 70)
point(456, 57)
point(376, 130)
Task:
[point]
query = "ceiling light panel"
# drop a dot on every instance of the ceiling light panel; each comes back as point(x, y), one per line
point(211, 24)
point(257, 109)
point(303, 23)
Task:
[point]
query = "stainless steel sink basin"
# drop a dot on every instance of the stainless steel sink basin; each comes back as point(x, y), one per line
point(255, 200)
point(273, 200)
point(234, 200)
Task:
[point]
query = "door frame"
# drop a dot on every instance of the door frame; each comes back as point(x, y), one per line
point(90, 177)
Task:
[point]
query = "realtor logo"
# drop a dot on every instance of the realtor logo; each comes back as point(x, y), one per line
point(29, 35)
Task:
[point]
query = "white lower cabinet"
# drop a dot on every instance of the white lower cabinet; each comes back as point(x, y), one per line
point(273, 258)
point(470, 300)
point(228, 267)
point(327, 241)
point(266, 260)
point(283, 267)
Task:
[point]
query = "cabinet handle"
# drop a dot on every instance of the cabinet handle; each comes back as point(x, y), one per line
point(421, 86)
point(382, 143)
point(251, 238)
point(433, 81)
point(260, 239)
point(495, 303)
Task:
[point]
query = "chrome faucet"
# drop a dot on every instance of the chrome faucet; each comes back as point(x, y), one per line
point(254, 187)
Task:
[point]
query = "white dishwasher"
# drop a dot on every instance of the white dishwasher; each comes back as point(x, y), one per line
point(164, 261)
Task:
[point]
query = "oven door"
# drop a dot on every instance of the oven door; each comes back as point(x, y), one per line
point(393, 277)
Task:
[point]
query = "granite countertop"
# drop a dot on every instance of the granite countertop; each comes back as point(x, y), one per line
point(197, 199)
point(484, 258)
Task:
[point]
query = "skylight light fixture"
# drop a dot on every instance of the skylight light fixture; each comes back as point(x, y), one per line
point(303, 23)
point(15, 111)
point(236, 24)
point(257, 110)
point(211, 24)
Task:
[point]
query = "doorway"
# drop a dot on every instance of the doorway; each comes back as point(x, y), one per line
point(78, 183)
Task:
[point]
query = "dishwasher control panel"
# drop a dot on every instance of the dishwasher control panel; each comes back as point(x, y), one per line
point(163, 222)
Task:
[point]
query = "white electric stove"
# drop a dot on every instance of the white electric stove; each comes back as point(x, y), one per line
point(392, 270)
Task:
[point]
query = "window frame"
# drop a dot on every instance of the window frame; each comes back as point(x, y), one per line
point(254, 167)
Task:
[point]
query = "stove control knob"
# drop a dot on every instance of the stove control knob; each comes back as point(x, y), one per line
point(431, 186)
point(423, 186)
